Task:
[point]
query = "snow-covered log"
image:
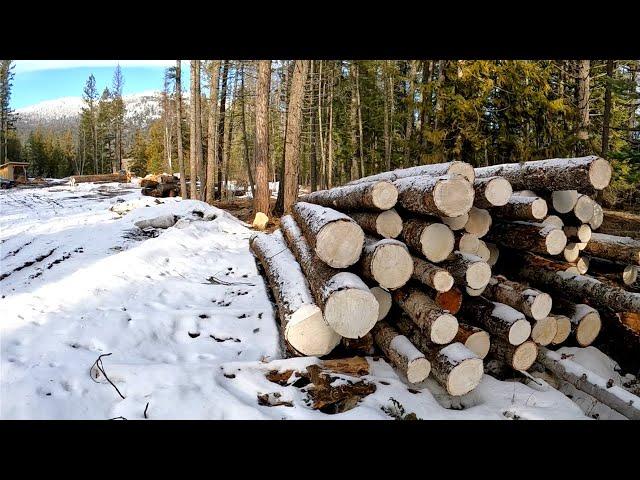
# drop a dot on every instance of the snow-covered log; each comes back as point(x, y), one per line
point(163, 221)
point(491, 192)
point(448, 196)
point(616, 398)
point(584, 174)
point(386, 261)
point(585, 320)
point(433, 240)
point(375, 196)
point(519, 357)
point(301, 320)
point(522, 208)
point(532, 237)
point(479, 222)
point(335, 237)
point(611, 247)
point(436, 169)
point(436, 324)
point(431, 275)
point(348, 305)
point(498, 319)
point(467, 270)
point(454, 366)
point(474, 338)
point(533, 303)
point(387, 224)
point(401, 352)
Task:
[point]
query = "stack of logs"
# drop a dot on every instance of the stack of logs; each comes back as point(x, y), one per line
point(160, 186)
point(401, 263)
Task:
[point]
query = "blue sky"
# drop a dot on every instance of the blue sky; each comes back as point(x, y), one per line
point(38, 80)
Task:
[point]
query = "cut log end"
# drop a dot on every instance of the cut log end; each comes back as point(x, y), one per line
point(465, 377)
point(584, 209)
point(584, 233)
point(544, 331)
point(541, 306)
point(418, 370)
point(443, 281)
point(339, 244)
point(571, 252)
point(563, 201)
point(444, 329)
point(478, 275)
point(479, 343)
point(539, 208)
point(351, 312)
point(519, 332)
point(554, 220)
point(564, 329)
point(524, 356)
point(498, 191)
point(468, 243)
point(494, 253)
point(630, 274)
point(309, 334)
point(555, 242)
point(456, 223)
point(464, 169)
point(483, 251)
point(389, 224)
point(451, 300)
point(474, 292)
point(453, 196)
point(479, 221)
point(600, 173)
point(588, 329)
point(392, 265)
point(384, 301)
point(260, 221)
point(384, 195)
point(437, 242)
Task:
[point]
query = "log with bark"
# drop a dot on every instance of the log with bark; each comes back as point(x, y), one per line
point(359, 346)
point(454, 366)
point(302, 324)
point(374, 196)
point(519, 357)
point(436, 324)
point(545, 239)
point(615, 397)
point(401, 353)
point(474, 338)
point(348, 305)
point(433, 240)
point(335, 237)
point(431, 275)
point(386, 261)
point(387, 224)
point(522, 208)
point(585, 174)
point(625, 224)
point(491, 192)
point(530, 268)
point(438, 169)
point(479, 222)
point(585, 320)
point(610, 247)
point(500, 320)
point(626, 274)
point(448, 196)
point(533, 303)
point(467, 270)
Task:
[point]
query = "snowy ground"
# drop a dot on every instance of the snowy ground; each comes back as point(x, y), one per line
point(184, 316)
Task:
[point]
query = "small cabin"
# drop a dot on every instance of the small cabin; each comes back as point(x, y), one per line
point(16, 171)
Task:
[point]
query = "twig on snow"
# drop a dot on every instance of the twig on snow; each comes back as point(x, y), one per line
point(98, 364)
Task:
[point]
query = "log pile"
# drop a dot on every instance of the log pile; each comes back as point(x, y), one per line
point(160, 186)
point(441, 267)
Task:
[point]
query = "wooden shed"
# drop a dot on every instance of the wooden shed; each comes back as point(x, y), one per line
point(16, 171)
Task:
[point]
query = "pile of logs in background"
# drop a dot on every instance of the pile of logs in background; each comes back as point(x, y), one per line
point(441, 268)
point(160, 186)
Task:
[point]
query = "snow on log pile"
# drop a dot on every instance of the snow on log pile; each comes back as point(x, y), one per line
point(441, 309)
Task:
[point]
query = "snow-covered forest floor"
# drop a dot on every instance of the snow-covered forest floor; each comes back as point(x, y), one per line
point(185, 318)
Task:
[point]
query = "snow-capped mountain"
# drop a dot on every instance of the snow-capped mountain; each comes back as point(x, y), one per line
point(61, 113)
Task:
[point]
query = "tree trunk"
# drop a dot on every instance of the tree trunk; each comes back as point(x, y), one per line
point(610, 247)
point(348, 305)
point(360, 129)
point(498, 319)
point(313, 159)
point(582, 100)
point(212, 152)
point(387, 262)
point(585, 174)
point(336, 238)
point(292, 144)
point(261, 152)
point(221, 124)
point(183, 179)
point(401, 353)
point(353, 123)
point(245, 133)
point(544, 239)
point(410, 111)
point(436, 324)
point(433, 240)
point(533, 303)
point(606, 117)
point(193, 136)
point(199, 142)
point(302, 324)
point(448, 196)
point(378, 196)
